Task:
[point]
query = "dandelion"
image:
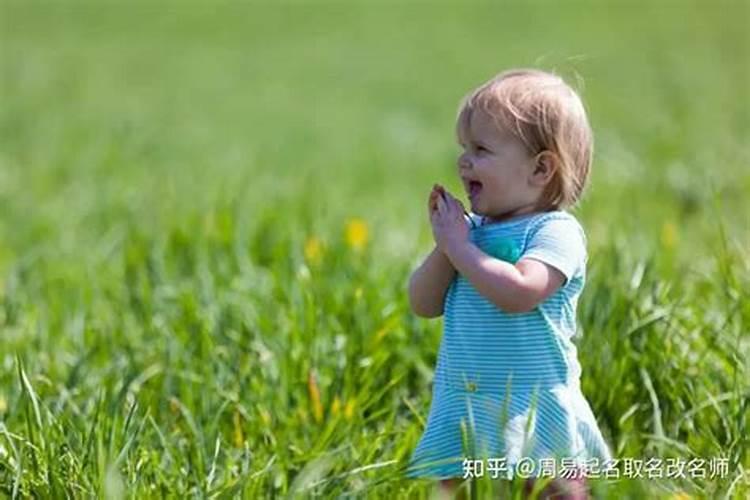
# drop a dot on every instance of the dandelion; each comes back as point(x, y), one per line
point(336, 407)
point(680, 495)
point(349, 409)
point(357, 233)
point(313, 250)
point(668, 235)
point(312, 388)
point(264, 415)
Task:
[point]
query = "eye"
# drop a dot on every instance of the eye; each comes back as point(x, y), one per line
point(482, 149)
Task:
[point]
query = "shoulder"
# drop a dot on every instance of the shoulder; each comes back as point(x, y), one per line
point(555, 215)
point(557, 238)
point(557, 221)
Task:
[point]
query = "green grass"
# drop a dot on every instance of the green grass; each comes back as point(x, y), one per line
point(162, 167)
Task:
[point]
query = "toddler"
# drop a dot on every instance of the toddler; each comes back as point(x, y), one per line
point(507, 277)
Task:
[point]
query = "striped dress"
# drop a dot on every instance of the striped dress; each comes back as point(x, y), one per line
point(506, 385)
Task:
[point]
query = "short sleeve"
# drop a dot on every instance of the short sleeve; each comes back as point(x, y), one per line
point(558, 240)
point(473, 220)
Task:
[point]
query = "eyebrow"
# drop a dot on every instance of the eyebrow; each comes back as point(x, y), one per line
point(483, 144)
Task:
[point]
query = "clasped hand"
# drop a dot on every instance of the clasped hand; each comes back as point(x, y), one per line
point(447, 218)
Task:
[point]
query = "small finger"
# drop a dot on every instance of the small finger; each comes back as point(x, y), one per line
point(442, 207)
point(451, 202)
point(459, 204)
point(434, 196)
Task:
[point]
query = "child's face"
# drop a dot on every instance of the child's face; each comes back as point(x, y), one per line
point(496, 170)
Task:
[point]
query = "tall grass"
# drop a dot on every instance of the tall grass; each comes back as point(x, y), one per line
point(208, 216)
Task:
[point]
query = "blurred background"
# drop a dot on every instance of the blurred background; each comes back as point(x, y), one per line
point(209, 211)
point(151, 111)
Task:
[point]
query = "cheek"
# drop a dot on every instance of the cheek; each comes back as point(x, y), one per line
point(491, 170)
point(487, 166)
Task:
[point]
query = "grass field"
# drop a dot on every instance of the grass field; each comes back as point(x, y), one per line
point(209, 213)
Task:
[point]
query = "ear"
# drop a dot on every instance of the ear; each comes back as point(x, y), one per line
point(545, 165)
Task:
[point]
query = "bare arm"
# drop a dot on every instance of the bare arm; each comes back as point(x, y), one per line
point(428, 284)
point(512, 288)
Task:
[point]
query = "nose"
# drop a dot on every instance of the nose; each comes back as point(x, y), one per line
point(464, 161)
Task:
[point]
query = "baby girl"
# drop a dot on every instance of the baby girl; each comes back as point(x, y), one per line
point(507, 277)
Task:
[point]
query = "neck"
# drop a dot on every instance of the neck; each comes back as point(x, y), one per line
point(522, 210)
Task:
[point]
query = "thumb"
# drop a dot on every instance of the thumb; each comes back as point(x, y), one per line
point(457, 202)
point(460, 204)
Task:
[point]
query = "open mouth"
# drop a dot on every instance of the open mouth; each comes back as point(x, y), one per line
point(474, 188)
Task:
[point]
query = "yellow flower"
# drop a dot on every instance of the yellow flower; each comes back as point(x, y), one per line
point(669, 235)
point(313, 249)
point(349, 409)
point(336, 406)
point(680, 495)
point(264, 415)
point(312, 389)
point(357, 233)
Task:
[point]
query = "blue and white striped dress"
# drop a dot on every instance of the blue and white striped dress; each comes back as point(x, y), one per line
point(507, 384)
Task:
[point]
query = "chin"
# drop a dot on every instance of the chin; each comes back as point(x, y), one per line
point(479, 210)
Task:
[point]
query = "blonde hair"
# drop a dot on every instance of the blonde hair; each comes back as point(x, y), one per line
point(547, 115)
